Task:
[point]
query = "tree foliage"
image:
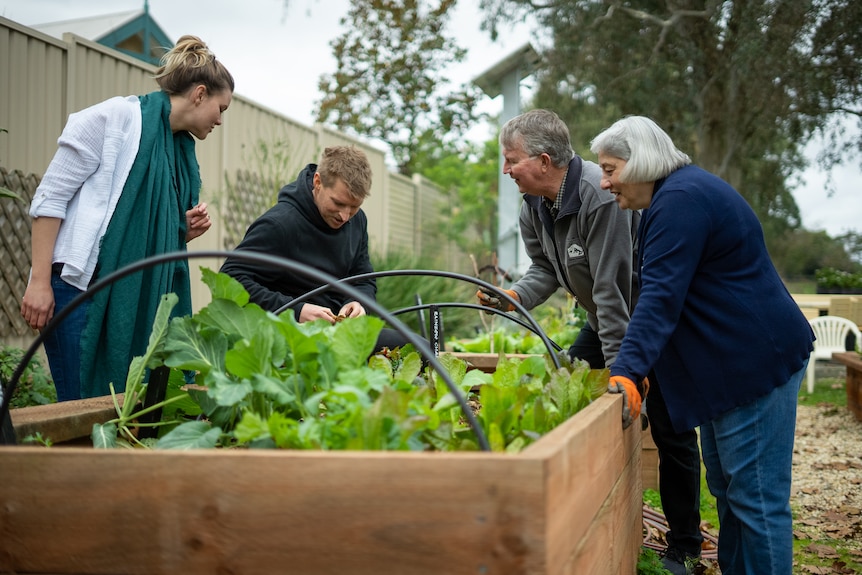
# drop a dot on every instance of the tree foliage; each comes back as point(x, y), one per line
point(469, 178)
point(741, 86)
point(390, 81)
point(852, 245)
point(801, 253)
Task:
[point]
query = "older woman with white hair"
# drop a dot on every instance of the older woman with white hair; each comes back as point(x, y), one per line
point(727, 342)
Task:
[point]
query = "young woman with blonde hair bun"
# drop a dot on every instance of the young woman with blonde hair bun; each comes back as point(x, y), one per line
point(122, 186)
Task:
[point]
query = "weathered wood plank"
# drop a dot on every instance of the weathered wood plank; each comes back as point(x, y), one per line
point(853, 362)
point(649, 461)
point(65, 421)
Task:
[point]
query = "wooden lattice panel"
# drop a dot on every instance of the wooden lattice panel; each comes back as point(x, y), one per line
point(14, 249)
point(246, 199)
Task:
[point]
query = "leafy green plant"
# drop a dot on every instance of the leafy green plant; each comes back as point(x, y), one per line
point(467, 175)
point(649, 563)
point(828, 278)
point(35, 386)
point(7, 193)
point(559, 319)
point(120, 431)
point(38, 439)
point(268, 381)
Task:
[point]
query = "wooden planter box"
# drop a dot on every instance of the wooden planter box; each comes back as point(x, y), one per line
point(570, 503)
point(853, 362)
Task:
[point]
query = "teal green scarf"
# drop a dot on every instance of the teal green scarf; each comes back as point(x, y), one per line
point(149, 220)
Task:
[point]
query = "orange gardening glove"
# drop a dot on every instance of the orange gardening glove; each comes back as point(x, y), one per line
point(631, 397)
point(493, 300)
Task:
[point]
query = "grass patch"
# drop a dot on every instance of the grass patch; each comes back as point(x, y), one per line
point(649, 563)
point(829, 390)
point(824, 556)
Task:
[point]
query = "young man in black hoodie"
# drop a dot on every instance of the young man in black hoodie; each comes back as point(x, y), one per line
point(318, 222)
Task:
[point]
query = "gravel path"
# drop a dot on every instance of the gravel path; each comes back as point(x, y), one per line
point(826, 496)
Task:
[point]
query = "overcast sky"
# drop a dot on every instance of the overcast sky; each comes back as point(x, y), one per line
point(278, 53)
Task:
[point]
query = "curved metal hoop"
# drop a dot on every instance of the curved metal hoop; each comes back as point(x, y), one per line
point(289, 265)
point(533, 325)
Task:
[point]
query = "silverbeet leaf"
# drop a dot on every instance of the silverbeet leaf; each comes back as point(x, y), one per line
point(190, 435)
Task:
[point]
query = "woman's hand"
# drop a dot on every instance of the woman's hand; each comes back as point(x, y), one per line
point(37, 307)
point(197, 222)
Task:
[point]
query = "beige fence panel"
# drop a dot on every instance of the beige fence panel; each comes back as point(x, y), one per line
point(96, 73)
point(403, 232)
point(32, 96)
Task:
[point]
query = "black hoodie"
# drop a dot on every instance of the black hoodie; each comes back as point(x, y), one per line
point(294, 229)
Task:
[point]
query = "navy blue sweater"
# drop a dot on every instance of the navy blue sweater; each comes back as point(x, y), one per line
point(713, 319)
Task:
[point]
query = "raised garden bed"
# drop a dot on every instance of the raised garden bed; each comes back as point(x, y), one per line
point(569, 503)
point(853, 362)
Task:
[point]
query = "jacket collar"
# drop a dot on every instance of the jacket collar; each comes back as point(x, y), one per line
point(571, 196)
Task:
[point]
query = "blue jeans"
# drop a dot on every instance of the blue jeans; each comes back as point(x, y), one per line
point(63, 344)
point(748, 453)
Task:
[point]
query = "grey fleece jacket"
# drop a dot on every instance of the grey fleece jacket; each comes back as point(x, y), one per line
point(588, 250)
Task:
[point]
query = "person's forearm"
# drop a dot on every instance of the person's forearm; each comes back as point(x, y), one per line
point(37, 305)
point(43, 239)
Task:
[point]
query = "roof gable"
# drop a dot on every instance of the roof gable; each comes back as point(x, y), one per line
point(134, 33)
point(140, 37)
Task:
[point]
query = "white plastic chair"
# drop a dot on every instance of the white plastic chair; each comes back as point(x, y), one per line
point(831, 332)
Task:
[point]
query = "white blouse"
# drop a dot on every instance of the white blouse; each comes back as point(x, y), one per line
point(85, 179)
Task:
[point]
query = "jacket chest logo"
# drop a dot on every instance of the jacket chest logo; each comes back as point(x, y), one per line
point(575, 251)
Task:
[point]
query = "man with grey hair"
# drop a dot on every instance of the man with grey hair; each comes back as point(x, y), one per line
point(577, 238)
point(573, 232)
